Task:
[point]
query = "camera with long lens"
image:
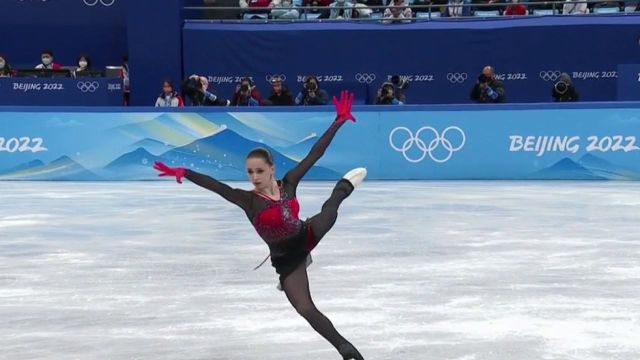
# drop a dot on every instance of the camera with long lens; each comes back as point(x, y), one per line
point(312, 86)
point(561, 87)
point(483, 79)
point(399, 82)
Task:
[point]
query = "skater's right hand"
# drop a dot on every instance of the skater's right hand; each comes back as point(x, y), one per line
point(168, 171)
point(343, 106)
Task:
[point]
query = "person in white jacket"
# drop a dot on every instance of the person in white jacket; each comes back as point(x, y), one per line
point(284, 10)
point(168, 97)
point(573, 7)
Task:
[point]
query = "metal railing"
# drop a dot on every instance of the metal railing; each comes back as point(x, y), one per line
point(424, 12)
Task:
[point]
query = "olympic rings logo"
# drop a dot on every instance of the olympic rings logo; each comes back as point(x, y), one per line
point(549, 75)
point(88, 86)
point(434, 144)
point(457, 78)
point(275, 77)
point(365, 78)
point(101, 2)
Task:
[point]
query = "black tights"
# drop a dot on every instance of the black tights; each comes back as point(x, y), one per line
point(296, 284)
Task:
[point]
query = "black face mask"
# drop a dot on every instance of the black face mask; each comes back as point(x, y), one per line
point(312, 86)
point(244, 87)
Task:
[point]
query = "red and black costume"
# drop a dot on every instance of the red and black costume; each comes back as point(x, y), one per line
point(289, 239)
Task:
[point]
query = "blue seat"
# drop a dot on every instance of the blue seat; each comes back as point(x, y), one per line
point(543, 12)
point(486, 13)
point(252, 16)
point(606, 10)
point(425, 14)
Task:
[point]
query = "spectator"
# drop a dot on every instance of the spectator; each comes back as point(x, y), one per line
point(457, 8)
point(196, 89)
point(5, 68)
point(280, 94)
point(361, 9)
point(573, 7)
point(341, 9)
point(515, 9)
point(395, 15)
point(84, 68)
point(324, 13)
point(631, 5)
point(401, 10)
point(246, 94)
point(258, 3)
point(47, 61)
point(284, 10)
point(126, 85)
point(387, 96)
point(563, 90)
point(311, 93)
point(168, 97)
point(487, 89)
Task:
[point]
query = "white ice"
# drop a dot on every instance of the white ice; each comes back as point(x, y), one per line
point(411, 270)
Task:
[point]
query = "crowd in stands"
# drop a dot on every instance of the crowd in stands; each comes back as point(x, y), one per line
point(405, 10)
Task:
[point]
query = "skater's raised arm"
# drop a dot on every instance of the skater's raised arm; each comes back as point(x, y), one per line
point(239, 197)
point(343, 113)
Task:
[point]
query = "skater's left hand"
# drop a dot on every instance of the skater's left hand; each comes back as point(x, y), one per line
point(343, 106)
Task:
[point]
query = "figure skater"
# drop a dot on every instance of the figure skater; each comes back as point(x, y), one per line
point(273, 209)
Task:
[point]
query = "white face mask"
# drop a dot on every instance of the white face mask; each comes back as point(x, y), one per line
point(2, 64)
point(46, 60)
point(83, 64)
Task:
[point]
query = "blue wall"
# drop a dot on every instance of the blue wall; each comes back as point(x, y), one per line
point(595, 141)
point(442, 58)
point(68, 27)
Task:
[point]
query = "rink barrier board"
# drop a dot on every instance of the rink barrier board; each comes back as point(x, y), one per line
point(589, 141)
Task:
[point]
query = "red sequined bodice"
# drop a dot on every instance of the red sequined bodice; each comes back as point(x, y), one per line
point(279, 220)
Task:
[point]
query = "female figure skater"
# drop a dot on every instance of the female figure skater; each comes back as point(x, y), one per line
point(273, 209)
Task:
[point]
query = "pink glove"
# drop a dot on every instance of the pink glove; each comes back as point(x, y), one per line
point(167, 171)
point(343, 107)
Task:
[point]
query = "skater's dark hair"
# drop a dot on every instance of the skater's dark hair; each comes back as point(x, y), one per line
point(261, 153)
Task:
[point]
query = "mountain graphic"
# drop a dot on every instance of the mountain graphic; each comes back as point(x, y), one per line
point(62, 168)
point(135, 165)
point(565, 169)
point(151, 145)
point(24, 166)
point(602, 167)
point(300, 149)
point(223, 154)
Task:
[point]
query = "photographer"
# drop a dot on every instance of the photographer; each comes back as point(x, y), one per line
point(487, 89)
point(311, 93)
point(563, 90)
point(246, 94)
point(194, 88)
point(387, 95)
point(280, 94)
point(399, 86)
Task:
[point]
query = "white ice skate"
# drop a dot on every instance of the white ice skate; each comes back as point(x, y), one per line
point(356, 176)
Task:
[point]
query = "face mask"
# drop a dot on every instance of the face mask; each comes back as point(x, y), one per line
point(2, 64)
point(83, 64)
point(46, 60)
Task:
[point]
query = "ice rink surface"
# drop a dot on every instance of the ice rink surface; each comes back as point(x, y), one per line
point(411, 271)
